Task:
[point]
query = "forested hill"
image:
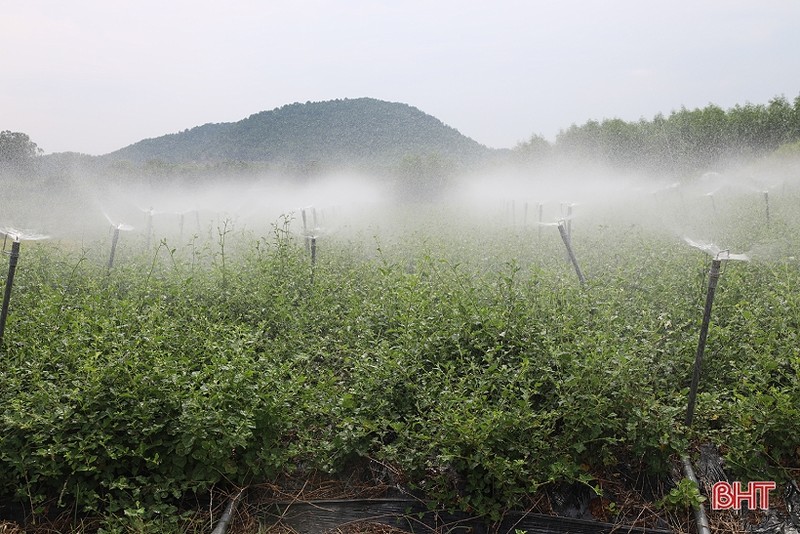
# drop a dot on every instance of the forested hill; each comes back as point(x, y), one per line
point(353, 132)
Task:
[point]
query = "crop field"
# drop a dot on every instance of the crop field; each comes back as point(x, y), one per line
point(452, 350)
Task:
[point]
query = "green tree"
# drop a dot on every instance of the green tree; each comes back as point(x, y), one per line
point(17, 147)
point(535, 149)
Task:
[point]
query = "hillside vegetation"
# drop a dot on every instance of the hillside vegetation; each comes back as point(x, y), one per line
point(361, 132)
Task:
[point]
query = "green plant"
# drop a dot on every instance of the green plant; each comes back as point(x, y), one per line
point(684, 495)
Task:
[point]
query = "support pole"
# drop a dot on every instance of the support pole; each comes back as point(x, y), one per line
point(113, 248)
point(313, 244)
point(12, 268)
point(305, 228)
point(541, 213)
point(572, 258)
point(713, 278)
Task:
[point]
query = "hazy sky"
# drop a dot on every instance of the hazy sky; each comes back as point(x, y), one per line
point(95, 76)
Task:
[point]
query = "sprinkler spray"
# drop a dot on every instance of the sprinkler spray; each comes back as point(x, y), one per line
point(713, 202)
point(568, 217)
point(13, 258)
point(713, 277)
point(569, 220)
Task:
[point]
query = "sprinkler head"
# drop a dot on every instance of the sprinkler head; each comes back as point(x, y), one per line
point(716, 252)
point(21, 235)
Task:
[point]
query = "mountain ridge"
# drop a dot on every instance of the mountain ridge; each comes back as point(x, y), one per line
point(360, 132)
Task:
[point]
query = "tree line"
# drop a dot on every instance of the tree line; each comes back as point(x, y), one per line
point(685, 141)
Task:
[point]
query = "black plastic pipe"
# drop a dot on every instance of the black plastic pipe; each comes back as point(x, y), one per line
point(222, 525)
point(700, 518)
point(12, 268)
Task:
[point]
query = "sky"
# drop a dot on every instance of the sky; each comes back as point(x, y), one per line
point(94, 76)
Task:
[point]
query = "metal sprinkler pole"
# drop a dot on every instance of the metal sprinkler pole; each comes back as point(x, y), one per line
point(113, 248)
point(12, 268)
point(541, 211)
point(313, 242)
point(766, 203)
point(305, 227)
point(713, 278)
point(572, 258)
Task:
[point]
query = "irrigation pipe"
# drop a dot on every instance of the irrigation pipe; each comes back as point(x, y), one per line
point(222, 524)
point(700, 518)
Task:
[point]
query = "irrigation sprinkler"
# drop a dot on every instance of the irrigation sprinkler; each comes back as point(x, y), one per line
point(718, 256)
point(764, 189)
point(567, 243)
point(16, 236)
point(115, 240)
